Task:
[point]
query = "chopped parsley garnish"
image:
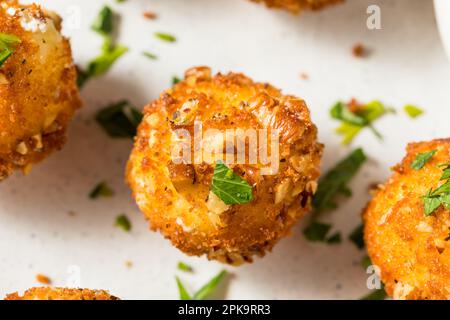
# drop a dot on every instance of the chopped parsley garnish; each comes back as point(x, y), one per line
point(184, 295)
point(378, 294)
point(422, 159)
point(230, 187)
point(7, 46)
point(434, 199)
point(413, 111)
point(357, 236)
point(150, 55)
point(336, 180)
point(318, 232)
point(366, 262)
point(103, 62)
point(104, 23)
point(119, 120)
point(184, 267)
point(165, 37)
point(123, 222)
point(355, 117)
point(206, 291)
point(331, 185)
point(175, 80)
point(101, 190)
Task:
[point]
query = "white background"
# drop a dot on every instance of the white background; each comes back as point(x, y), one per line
point(407, 65)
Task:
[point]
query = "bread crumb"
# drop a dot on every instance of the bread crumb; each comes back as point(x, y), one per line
point(43, 279)
point(304, 76)
point(150, 15)
point(129, 264)
point(360, 51)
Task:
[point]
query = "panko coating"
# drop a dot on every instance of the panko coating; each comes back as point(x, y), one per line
point(49, 293)
point(297, 6)
point(176, 197)
point(38, 92)
point(411, 249)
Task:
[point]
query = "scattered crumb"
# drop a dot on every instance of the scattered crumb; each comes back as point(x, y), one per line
point(304, 76)
point(360, 51)
point(129, 264)
point(354, 105)
point(150, 15)
point(72, 213)
point(43, 279)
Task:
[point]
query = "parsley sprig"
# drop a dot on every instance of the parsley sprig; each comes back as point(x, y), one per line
point(7, 46)
point(332, 184)
point(204, 292)
point(422, 159)
point(440, 197)
point(230, 187)
point(104, 25)
point(119, 120)
point(354, 118)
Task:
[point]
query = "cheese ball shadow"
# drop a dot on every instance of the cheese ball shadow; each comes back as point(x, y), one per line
point(185, 202)
point(296, 6)
point(407, 224)
point(49, 293)
point(38, 92)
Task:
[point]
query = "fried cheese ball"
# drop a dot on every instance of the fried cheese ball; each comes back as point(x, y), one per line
point(48, 293)
point(176, 197)
point(297, 6)
point(411, 249)
point(38, 92)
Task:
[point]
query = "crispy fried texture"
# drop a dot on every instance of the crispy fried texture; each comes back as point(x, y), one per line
point(48, 293)
point(411, 249)
point(38, 92)
point(297, 6)
point(176, 197)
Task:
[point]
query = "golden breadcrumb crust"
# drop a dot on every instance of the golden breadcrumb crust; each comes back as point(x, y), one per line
point(38, 92)
point(48, 293)
point(411, 250)
point(176, 197)
point(297, 6)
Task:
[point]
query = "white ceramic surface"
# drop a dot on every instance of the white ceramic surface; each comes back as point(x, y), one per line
point(407, 65)
point(442, 8)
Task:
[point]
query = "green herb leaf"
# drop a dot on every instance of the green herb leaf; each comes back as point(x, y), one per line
point(378, 294)
point(184, 295)
point(103, 63)
point(184, 267)
point(150, 55)
point(317, 231)
point(119, 120)
point(175, 80)
point(357, 236)
point(446, 169)
point(354, 122)
point(101, 190)
point(422, 159)
point(165, 37)
point(104, 23)
point(336, 180)
point(366, 262)
point(7, 46)
point(413, 111)
point(209, 288)
point(230, 187)
point(335, 238)
point(123, 222)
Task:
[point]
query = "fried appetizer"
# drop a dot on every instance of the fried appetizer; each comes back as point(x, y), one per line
point(38, 92)
point(297, 6)
point(407, 224)
point(227, 212)
point(48, 293)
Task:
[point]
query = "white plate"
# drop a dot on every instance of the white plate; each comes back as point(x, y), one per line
point(37, 235)
point(442, 8)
